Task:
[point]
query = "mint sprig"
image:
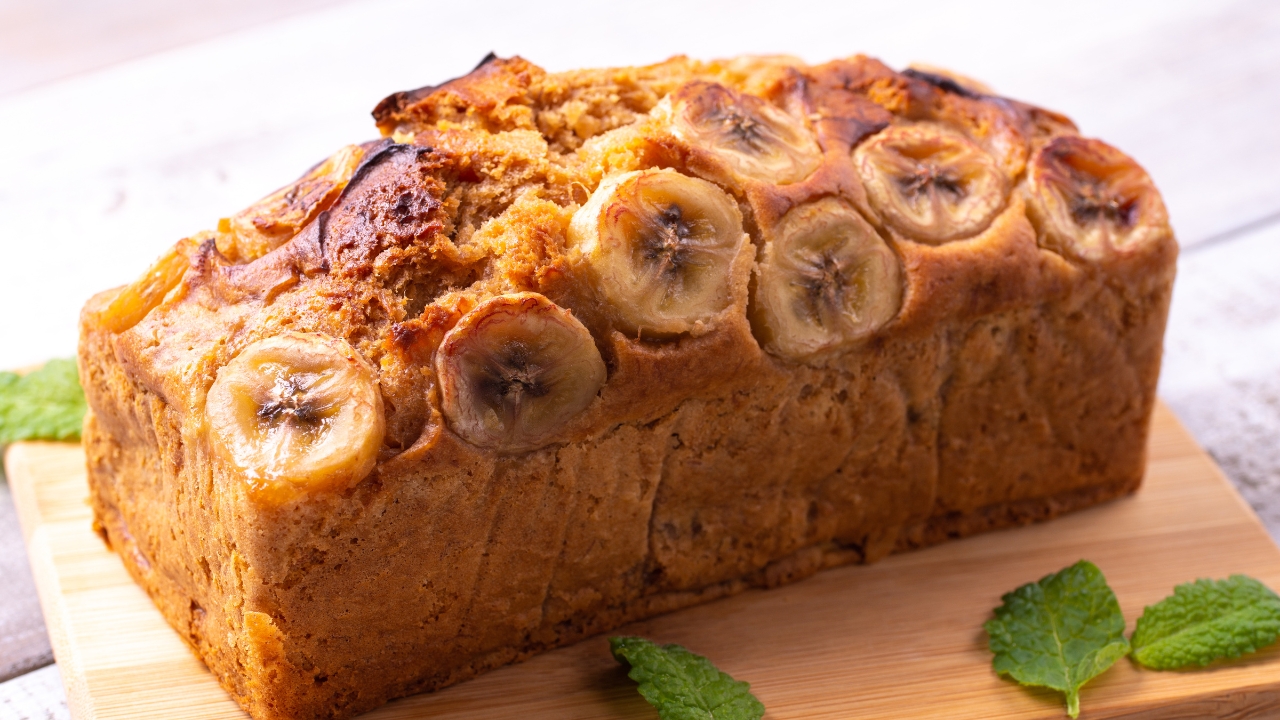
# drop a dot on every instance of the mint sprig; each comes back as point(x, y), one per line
point(683, 685)
point(1059, 632)
point(47, 404)
point(1207, 620)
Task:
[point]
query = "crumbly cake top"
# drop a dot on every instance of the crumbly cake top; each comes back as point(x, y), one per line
point(518, 236)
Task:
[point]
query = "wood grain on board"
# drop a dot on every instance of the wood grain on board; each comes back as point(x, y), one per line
point(901, 638)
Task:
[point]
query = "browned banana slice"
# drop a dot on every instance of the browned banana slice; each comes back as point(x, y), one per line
point(514, 370)
point(826, 280)
point(660, 248)
point(754, 138)
point(295, 412)
point(273, 220)
point(930, 183)
point(1089, 199)
point(134, 301)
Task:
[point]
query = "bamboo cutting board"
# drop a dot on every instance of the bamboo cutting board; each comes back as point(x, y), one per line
point(899, 639)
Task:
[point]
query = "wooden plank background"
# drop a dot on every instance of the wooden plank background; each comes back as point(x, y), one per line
point(125, 124)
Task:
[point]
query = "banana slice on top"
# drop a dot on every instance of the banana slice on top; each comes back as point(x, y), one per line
point(514, 370)
point(754, 138)
point(136, 300)
point(1089, 199)
point(298, 411)
point(930, 183)
point(660, 248)
point(826, 280)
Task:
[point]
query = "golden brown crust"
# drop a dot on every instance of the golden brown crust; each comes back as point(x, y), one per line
point(1014, 383)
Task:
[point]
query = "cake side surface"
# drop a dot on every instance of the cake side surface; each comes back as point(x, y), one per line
point(973, 343)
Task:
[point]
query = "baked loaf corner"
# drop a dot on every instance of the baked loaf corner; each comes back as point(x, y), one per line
point(566, 350)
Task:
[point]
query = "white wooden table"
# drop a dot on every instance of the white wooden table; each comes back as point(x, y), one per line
point(126, 125)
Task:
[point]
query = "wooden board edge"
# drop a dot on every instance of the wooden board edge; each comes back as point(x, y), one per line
point(1252, 701)
point(22, 485)
point(22, 480)
point(56, 615)
point(1201, 452)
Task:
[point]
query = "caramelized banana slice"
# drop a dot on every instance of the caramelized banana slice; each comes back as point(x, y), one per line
point(659, 247)
point(754, 138)
point(1089, 199)
point(514, 370)
point(826, 281)
point(930, 183)
point(134, 301)
point(295, 412)
point(275, 219)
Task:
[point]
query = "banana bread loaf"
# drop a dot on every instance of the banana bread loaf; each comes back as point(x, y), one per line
point(567, 350)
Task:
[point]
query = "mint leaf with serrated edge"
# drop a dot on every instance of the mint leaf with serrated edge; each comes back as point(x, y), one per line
point(47, 404)
point(1207, 620)
point(1059, 632)
point(683, 685)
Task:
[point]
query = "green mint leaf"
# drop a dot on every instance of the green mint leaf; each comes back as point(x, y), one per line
point(1059, 632)
point(682, 685)
point(1206, 620)
point(47, 404)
